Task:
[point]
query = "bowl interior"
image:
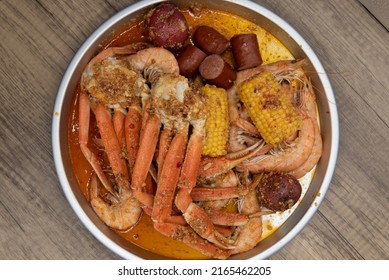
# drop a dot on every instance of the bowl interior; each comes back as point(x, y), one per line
point(253, 12)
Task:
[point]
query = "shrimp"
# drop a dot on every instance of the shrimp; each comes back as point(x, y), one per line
point(248, 220)
point(154, 63)
point(234, 143)
point(298, 147)
point(227, 180)
point(289, 158)
point(302, 153)
point(240, 139)
point(216, 203)
point(118, 213)
point(308, 98)
point(282, 70)
point(250, 233)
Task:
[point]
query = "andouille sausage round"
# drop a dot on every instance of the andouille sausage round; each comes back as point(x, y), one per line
point(189, 60)
point(210, 40)
point(246, 52)
point(218, 72)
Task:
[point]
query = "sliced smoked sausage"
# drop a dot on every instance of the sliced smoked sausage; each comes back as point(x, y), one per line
point(189, 60)
point(210, 40)
point(245, 49)
point(218, 72)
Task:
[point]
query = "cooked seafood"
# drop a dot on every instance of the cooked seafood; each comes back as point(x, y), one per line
point(297, 153)
point(152, 63)
point(119, 213)
point(308, 101)
point(107, 84)
point(192, 152)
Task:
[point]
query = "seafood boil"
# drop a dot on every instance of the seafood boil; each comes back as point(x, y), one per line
point(194, 131)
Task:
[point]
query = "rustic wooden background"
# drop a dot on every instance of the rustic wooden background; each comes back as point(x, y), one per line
point(38, 38)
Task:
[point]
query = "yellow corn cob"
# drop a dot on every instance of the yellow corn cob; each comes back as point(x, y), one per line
point(269, 107)
point(217, 124)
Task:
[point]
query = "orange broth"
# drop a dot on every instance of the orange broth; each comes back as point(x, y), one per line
point(143, 233)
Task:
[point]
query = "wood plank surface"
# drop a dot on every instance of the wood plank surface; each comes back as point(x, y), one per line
point(39, 39)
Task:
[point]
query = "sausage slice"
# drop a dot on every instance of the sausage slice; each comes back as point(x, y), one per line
point(189, 60)
point(210, 40)
point(218, 72)
point(245, 49)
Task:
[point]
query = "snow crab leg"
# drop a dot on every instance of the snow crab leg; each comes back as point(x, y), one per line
point(196, 217)
point(166, 89)
point(102, 92)
point(152, 63)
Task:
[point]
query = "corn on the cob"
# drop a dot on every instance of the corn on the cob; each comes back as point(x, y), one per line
point(269, 107)
point(217, 123)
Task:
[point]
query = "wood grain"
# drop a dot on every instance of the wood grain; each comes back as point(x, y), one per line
point(38, 40)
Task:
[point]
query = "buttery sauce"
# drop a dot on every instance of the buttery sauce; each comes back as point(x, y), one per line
point(143, 233)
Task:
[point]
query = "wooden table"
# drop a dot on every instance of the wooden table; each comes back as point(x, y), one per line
point(40, 37)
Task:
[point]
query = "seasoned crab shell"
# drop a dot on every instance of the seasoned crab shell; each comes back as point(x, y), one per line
point(175, 102)
point(111, 81)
